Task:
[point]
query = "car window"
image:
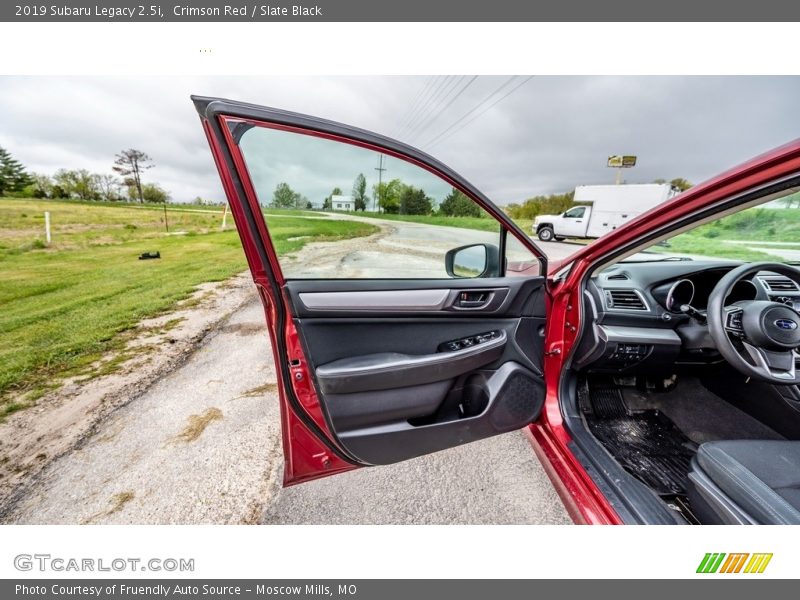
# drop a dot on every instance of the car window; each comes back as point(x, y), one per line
point(767, 232)
point(380, 216)
point(575, 213)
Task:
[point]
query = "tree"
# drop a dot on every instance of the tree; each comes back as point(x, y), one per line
point(152, 192)
point(680, 184)
point(42, 186)
point(388, 194)
point(284, 197)
point(301, 202)
point(13, 177)
point(413, 201)
point(541, 205)
point(76, 183)
point(458, 204)
point(129, 164)
point(108, 187)
point(360, 192)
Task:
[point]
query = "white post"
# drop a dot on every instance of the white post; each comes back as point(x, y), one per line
point(225, 217)
point(47, 226)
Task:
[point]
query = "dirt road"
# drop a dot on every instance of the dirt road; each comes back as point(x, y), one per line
point(201, 444)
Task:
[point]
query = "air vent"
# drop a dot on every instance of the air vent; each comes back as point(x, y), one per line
point(624, 300)
point(779, 284)
point(618, 277)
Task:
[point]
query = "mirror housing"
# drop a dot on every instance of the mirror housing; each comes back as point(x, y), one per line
point(473, 261)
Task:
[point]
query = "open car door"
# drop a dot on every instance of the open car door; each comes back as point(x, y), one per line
point(410, 338)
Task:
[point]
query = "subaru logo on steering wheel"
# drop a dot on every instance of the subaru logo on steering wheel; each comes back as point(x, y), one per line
point(785, 324)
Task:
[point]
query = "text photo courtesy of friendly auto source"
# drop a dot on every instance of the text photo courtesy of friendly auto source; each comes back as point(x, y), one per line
point(343, 300)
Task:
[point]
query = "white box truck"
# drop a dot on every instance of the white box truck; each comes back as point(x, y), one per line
point(602, 208)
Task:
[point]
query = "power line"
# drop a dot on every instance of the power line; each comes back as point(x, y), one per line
point(433, 97)
point(478, 105)
point(424, 98)
point(488, 108)
point(448, 104)
point(443, 94)
point(452, 129)
point(414, 103)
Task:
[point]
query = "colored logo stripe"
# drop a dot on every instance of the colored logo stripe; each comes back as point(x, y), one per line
point(713, 562)
point(710, 562)
point(734, 563)
point(758, 563)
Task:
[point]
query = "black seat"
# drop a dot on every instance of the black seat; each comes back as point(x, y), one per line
point(746, 481)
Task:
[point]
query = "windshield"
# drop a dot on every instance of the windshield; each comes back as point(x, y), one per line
point(768, 232)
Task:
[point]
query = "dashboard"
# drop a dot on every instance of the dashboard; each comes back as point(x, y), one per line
point(648, 316)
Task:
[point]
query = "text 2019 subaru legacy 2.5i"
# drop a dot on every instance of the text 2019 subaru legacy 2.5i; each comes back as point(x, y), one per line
point(653, 370)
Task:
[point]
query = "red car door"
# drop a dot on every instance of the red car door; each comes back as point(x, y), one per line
point(391, 345)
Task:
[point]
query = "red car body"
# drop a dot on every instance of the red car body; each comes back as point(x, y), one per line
point(308, 441)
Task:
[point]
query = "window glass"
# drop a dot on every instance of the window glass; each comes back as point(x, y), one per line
point(336, 210)
point(575, 213)
point(768, 232)
point(520, 262)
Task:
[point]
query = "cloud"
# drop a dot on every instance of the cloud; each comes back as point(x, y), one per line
point(549, 135)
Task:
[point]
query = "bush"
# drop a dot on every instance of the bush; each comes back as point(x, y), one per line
point(553, 204)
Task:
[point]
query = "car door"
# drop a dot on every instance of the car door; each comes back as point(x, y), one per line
point(392, 337)
point(573, 222)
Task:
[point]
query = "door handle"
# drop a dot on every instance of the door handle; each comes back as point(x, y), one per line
point(474, 299)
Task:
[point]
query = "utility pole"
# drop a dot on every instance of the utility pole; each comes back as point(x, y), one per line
point(380, 169)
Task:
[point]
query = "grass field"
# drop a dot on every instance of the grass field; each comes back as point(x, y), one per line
point(479, 223)
point(772, 225)
point(65, 305)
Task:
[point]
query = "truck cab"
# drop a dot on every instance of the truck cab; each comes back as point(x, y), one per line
point(571, 223)
point(601, 209)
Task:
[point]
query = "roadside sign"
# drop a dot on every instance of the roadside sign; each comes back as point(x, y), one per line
point(619, 161)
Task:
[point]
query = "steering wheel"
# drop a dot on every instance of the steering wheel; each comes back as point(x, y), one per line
point(757, 337)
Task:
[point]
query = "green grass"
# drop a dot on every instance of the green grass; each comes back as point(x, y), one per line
point(755, 225)
point(66, 305)
point(486, 223)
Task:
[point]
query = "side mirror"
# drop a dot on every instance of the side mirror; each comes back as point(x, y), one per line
point(475, 260)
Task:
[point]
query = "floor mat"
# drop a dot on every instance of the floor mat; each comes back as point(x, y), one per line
point(646, 443)
point(700, 414)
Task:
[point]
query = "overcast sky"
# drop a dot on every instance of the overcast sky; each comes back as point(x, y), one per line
point(548, 134)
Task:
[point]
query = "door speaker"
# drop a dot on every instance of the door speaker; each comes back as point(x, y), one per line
point(518, 402)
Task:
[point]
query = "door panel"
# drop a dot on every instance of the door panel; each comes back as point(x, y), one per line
point(374, 371)
point(394, 384)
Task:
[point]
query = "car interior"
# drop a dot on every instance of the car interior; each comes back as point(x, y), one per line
point(685, 377)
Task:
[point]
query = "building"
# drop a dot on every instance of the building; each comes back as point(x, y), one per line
point(343, 203)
